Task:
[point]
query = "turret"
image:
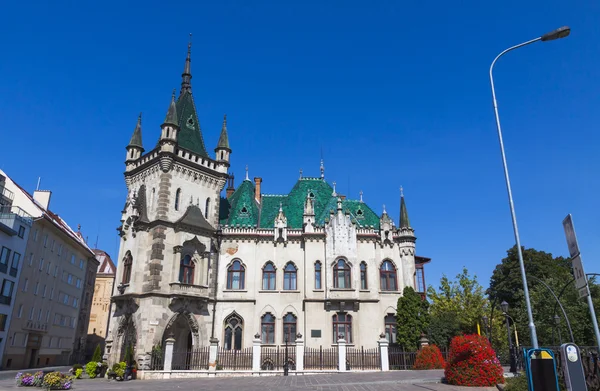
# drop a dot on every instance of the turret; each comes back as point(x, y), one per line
point(222, 150)
point(169, 128)
point(309, 214)
point(135, 148)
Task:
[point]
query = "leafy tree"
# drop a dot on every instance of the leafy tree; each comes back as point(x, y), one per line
point(97, 357)
point(128, 355)
point(412, 318)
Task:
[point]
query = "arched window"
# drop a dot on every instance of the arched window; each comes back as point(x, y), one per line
point(389, 322)
point(317, 275)
point(268, 277)
point(341, 275)
point(127, 262)
point(186, 270)
point(363, 275)
point(289, 277)
point(388, 276)
point(342, 326)
point(267, 327)
point(207, 208)
point(177, 198)
point(289, 328)
point(235, 276)
point(234, 327)
point(152, 198)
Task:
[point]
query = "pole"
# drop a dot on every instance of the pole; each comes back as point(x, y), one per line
point(594, 319)
point(532, 331)
point(513, 366)
point(285, 365)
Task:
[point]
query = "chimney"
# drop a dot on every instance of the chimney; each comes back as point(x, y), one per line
point(230, 187)
point(257, 193)
point(42, 197)
point(343, 197)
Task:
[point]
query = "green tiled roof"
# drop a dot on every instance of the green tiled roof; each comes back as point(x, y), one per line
point(136, 138)
point(190, 135)
point(243, 208)
point(404, 222)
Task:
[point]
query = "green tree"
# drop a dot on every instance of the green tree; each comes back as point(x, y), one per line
point(128, 355)
point(97, 357)
point(412, 319)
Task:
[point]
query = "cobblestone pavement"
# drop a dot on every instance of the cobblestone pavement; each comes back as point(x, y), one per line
point(388, 381)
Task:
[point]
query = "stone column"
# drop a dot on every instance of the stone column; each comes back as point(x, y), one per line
point(256, 350)
point(169, 343)
point(212, 354)
point(299, 353)
point(423, 341)
point(341, 353)
point(383, 352)
point(107, 351)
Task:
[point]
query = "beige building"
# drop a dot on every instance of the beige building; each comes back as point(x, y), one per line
point(105, 279)
point(49, 300)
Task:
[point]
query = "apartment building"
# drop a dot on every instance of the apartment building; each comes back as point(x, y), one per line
point(49, 300)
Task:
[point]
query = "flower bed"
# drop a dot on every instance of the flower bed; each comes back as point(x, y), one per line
point(49, 381)
point(473, 362)
point(430, 357)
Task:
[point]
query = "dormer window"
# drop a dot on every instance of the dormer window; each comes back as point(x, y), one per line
point(360, 214)
point(311, 195)
point(244, 212)
point(190, 123)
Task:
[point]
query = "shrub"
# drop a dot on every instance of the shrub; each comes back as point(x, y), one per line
point(119, 369)
point(473, 362)
point(57, 381)
point(517, 383)
point(78, 373)
point(430, 357)
point(38, 379)
point(128, 355)
point(97, 357)
point(24, 379)
point(77, 366)
point(91, 368)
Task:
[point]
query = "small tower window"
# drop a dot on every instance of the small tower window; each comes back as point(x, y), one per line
point(207, 208)
point(177, 198)
point(221, 155)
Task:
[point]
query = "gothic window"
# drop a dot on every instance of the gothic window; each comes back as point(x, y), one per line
point(267, 327)
point(207, 208)
point(387, 273)
point(177, 198)
point(363, 275)
point(234, 327)
point(268, 277)
point(235, 276)
point(127, 262)
point(289, 328)
point(152, 195)
point(186, 270)
point(389, 323)
point(342, 326)
point(289, 277)
point(341, 275)
point(420, 280)
point(317, 275)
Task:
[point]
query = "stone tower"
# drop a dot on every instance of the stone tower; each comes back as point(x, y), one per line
point(164, 278)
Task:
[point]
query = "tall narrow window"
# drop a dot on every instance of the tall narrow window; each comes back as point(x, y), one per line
point(127, 262)
point(289, 277)
point(234, 327)
point(267, 326)
point(207, 208)
point(186, 270)
point(420, 277)
point(177, 198)
point(388, 276)
point(235, 276)
point(389, 323)
point(289, 328)
point(268, 277)
point(342, 326)
point(317, 275)
point(363, 275)
point(152, 195)
point(341, 275)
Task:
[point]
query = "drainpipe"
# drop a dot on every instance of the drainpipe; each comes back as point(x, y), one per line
point(216, 279)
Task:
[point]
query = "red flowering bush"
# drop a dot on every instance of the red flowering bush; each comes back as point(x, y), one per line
point(473, 362)
point(430, 357)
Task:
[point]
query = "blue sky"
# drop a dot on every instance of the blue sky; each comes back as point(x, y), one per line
point(394, 93)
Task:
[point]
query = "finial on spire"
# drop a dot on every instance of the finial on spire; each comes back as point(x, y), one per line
point(79, 228)
point(401, 191)
point(300, 173)
point(384, 211)
point(186, 76)
point(334, 194)
point(322, 170)
point(281, 206)
point(247, 178)
point(361, 194)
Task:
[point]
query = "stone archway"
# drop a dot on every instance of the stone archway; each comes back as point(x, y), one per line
point(184, 327)
point(127, 335)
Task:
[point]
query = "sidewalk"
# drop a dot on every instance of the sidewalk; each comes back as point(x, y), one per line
point(11, 373)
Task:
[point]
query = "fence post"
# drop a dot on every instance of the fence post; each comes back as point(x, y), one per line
point(341, 353)
point(383, 352)
point(256, 350)
point(169, 342)
point(212, 354)
point(299, 353)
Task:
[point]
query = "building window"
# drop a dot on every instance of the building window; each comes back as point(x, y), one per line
point(81, 264)
point(40, 311)
point(60, 248)
point(70, 279)
point(342, 327)
point(207, 208)
point(387, 273)
point(235, 276)
point(48, 318)
point(363, 276)
point(267, 327)
point(152, 194)
point(35, 235)
point(290, 277)
point(127, 261)
point(25, 285)
point(14, 267)
point(341, 275)
point(31, 312)
point(268, 277)
point(72, 259)
point(234, 327)
point(46, 240)
point(186, 270)
point(177, 198)
point(20, 312)
point(420, 283)
point(21, 231)
point(48, 267)
point(55, 270)
point(37, 287)
point(4, 255)
point(390, 327)
point(7, 288)
point(41, 264)
point(289, 328)
point(44, 292)
point(317, 275)
point(78, 283)
point(75, 302)
point(30, 259)
point(3, 322)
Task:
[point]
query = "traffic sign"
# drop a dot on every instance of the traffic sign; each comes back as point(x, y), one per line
point(571, 238)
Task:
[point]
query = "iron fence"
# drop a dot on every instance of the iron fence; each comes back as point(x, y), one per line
point(274, 358)
point(193, 359)
point(234, 359)
point(401, 359)
point(363, 359)
point(321, 359)
point(157, 359)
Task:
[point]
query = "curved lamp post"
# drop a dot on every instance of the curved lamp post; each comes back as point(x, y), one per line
point(556, 34)
point(511, 348)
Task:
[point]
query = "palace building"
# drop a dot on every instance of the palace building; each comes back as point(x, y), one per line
point(203, 261)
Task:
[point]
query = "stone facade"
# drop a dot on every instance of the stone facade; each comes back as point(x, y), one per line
point(202, 268)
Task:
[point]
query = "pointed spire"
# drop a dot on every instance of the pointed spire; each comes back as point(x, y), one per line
point(334, 194)
point(186, 76)
point(172, 118)
point(404, 222)
point(361, 194)
point(136, 139)
point(247, 178)
point(300, 173)
point(322, 170)
point(384, 211)
point(280, 207)
point(339, 204)
point(223, 138)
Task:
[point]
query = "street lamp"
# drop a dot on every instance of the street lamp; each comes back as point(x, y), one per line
point(486, 327)
point(557, 322)
point(556, 34)
point(513, 362)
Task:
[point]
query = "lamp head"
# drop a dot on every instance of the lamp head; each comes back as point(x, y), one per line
point(504, 306)
point(557, 319)
point(560, 32)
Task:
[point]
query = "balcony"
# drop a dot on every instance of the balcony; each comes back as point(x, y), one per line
point(180, 289)
point(33, 325)
point(12, 217)
point(6, 195)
